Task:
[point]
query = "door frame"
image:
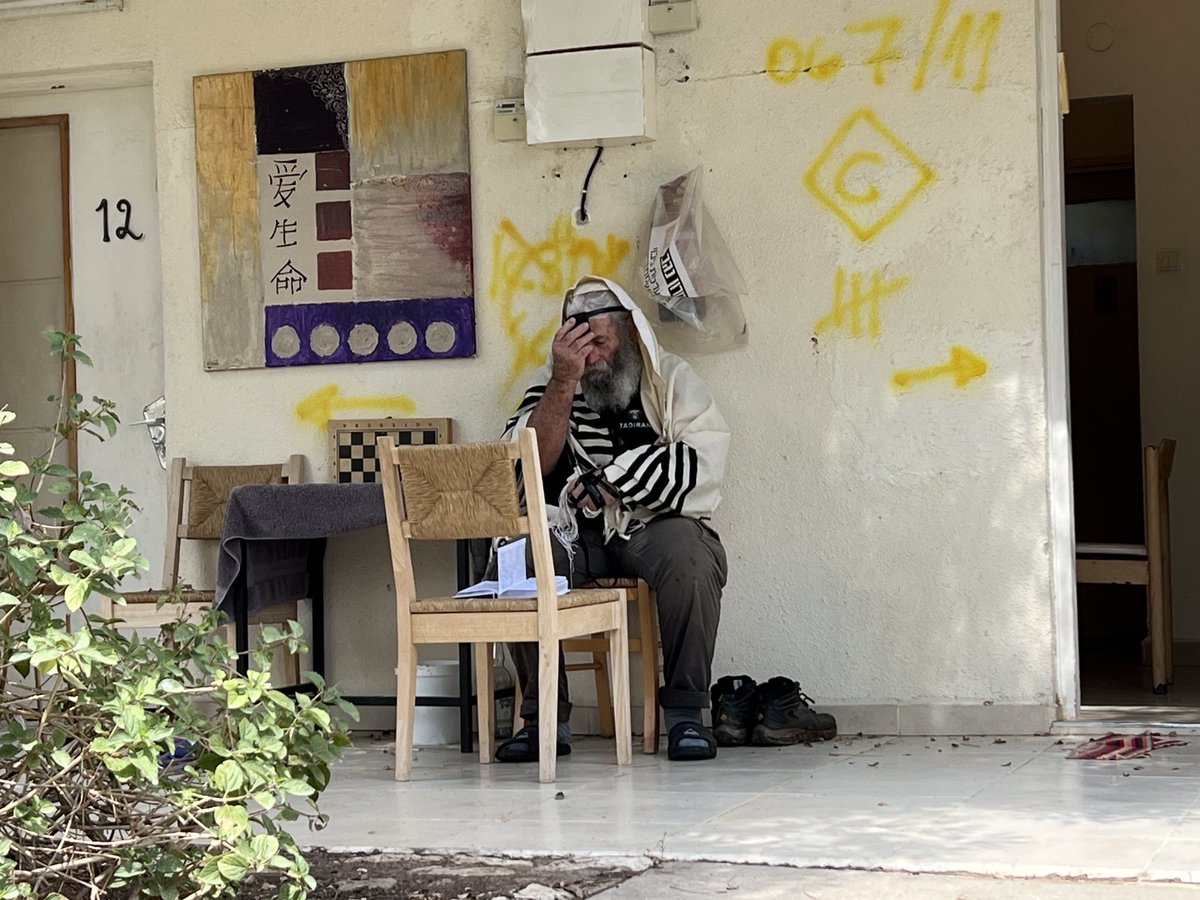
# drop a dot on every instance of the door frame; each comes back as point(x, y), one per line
point(1064, 616)
point(62, 122)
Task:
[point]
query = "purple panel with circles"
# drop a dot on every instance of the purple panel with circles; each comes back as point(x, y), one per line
point(306, 334)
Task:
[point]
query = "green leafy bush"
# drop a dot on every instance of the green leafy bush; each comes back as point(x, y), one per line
point(133, 767)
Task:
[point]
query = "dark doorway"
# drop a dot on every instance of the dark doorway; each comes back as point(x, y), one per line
point(1106, 418)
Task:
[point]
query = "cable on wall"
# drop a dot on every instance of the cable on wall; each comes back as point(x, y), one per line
point(583, 216)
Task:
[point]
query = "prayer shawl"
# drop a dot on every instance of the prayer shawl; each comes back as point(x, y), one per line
point(681, 472)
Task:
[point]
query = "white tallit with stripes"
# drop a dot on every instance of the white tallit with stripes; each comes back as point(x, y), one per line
point(681, 472)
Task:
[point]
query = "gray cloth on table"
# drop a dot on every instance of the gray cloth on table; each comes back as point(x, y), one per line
point(270, 530)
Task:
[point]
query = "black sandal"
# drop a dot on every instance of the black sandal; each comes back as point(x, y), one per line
point(691, 731)
point(523, 747)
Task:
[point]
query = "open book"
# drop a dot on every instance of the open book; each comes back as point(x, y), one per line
point(521, 590)
point(513, 582)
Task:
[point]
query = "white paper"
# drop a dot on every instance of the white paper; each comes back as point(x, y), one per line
point(522, 590)
point(665, 276)
point(514, 580)
point(511, 559)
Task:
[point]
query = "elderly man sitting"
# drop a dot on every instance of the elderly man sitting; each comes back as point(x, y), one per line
point(631, 441)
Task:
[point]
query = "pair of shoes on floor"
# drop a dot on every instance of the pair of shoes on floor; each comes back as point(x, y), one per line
point(772, 714)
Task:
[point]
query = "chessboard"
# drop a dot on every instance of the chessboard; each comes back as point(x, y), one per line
point(352, 452)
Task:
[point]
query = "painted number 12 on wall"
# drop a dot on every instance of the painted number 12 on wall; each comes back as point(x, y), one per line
point(122, 231)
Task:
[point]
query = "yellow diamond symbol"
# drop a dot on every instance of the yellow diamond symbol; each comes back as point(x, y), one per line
point(866, 175)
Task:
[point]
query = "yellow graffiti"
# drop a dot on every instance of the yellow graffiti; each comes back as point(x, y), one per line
point(866, 175)
point(318, 407)
point(787, 60)
point(862, 158)
point(544, 270)
point(974, 37)
point(963, 366)
point(847, 311)
point(887, 51)
point(959, 44)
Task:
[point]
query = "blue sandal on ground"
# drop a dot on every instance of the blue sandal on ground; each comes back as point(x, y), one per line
point(691, 741)
point(181, 753)
point(523, 747)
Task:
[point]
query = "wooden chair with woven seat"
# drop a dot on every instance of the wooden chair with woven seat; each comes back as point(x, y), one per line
point(195, 511)
point(1147, 564)
point(461, 491)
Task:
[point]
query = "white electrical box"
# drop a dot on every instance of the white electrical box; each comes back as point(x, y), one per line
point(508, 121)
point(552, 26)
point(590, 97)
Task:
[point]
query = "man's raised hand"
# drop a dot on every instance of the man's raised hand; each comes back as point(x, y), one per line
point(570, 351)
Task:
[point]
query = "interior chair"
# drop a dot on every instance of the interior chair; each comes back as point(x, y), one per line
point(648, 649)
point(196, 511)
point(1147, 564)
point(462, 491)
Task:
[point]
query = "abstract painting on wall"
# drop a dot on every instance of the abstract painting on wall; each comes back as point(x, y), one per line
point(335, 213)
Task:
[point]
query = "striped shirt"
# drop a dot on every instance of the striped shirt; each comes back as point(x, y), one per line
point(648, 472)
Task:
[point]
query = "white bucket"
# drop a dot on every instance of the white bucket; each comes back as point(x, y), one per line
point(437, 726)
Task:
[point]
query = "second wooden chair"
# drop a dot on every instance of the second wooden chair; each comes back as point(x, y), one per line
point(645, 644)
point(597, 646)
point(196, 500)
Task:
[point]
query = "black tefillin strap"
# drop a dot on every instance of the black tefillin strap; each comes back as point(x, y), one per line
point(590, 482)
point(581, 317)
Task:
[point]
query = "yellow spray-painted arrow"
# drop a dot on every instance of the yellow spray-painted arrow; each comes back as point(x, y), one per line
point(319, 406)
point(964, 366)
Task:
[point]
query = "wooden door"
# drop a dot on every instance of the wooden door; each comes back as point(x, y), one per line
point(35, 277)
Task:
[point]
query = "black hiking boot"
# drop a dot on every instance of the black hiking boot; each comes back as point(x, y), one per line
point(785, 717)
point(733, 709)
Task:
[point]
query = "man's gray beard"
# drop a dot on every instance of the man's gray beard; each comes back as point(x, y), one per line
point(609, 387)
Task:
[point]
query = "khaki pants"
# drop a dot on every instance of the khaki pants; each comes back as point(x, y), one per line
point(683, 560)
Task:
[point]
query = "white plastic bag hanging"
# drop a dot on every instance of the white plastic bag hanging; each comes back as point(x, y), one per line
point(691, 273)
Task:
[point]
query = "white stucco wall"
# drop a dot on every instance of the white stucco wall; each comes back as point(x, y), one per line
point(1149, 61)
point(887, 548)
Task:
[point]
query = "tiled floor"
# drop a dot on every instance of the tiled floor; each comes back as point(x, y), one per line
point(1118, 698)
point(1130, 685)
point(1101, 719)
point(1001, 806)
